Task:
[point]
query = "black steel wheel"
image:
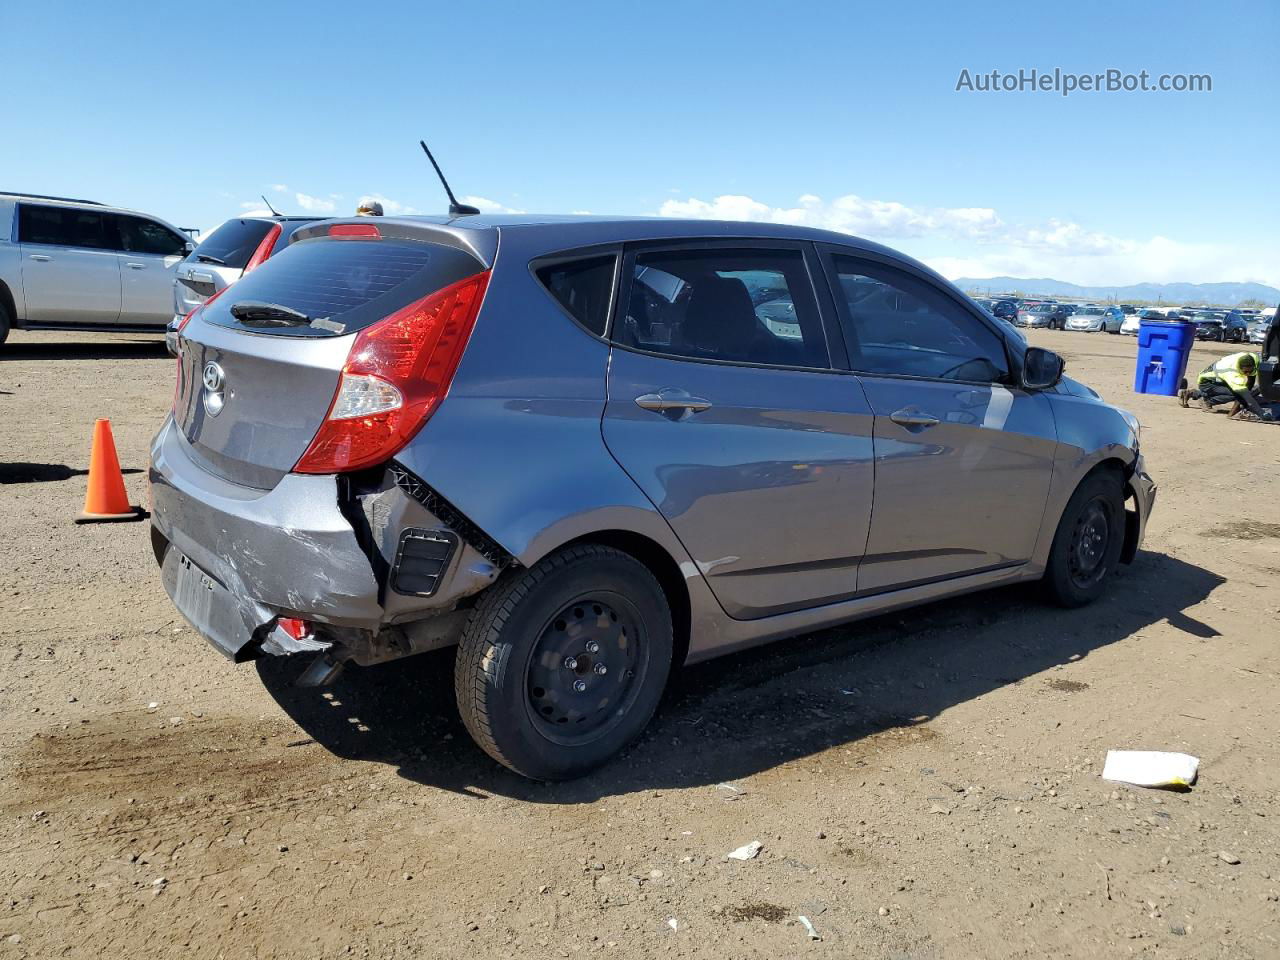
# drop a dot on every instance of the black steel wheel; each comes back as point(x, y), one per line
point(562, 665)
point(1090, 536)
point(582, 671)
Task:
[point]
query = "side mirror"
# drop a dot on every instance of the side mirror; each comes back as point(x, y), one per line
point(189, 247)
point(1041, 369)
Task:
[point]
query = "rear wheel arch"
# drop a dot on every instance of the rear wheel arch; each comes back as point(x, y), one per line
point(664, 567)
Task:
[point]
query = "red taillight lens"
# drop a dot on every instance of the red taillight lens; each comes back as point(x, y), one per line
point(354, 230)
point(263, 252)
point(397, 373)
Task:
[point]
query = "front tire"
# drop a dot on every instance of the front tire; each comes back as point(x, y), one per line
point(6, 323)
point(562, 665)
point(1086, 547)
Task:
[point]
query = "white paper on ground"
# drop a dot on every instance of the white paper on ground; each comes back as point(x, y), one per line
point(1150, 768)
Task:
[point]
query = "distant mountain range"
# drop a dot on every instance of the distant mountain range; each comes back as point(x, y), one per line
point(1223, 294)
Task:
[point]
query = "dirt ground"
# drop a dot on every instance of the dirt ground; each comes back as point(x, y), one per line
point(925, 785)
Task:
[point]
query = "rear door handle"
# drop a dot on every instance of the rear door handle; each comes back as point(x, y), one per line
point(136, 266)
point(669, 399)
point(911, 417)
point(41, 257)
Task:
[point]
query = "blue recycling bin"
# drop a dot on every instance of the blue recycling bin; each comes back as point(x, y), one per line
point(1163, 349)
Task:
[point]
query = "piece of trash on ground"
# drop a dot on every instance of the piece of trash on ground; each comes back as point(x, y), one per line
point(673, 923)
point(732, 790)
point(748, 852)
point(1151, 768)
point(808, 928)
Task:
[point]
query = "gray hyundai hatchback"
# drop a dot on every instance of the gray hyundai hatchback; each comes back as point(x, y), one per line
point(585, 451)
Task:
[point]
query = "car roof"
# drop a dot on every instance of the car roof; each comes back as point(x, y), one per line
point(82, 204)
point(552, 233)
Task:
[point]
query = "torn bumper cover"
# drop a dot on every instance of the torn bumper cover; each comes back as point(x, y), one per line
point(375, 563)
point(1141, 491)
point(234, 559)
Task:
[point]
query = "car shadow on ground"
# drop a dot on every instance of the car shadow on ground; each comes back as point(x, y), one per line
point(45, 472)
point(745, 713)
point(140, 349)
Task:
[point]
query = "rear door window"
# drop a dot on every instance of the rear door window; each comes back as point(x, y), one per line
point(345, 284)
point(233, 243)
point(62, 226)
point(583, 287)
point(751, 306)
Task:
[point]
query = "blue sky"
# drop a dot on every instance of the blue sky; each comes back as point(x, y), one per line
point(837, 114)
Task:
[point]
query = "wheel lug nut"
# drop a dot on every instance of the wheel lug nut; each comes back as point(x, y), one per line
point(593, 647)
point(571, 663)
point(580, 685)
point(601, 669)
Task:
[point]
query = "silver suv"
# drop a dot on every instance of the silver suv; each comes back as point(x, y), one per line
point(79, 265)
point(586, 451)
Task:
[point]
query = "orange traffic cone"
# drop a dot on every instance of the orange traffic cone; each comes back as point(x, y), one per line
point(106, 499)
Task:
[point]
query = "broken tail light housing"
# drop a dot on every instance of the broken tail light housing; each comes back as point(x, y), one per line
point(397, 373)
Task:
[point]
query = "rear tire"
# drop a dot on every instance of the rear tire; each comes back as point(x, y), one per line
point(6, 323)
point(562, 665)
point(1086, 547)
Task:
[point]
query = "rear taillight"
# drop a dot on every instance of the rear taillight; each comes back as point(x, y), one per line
point(264, 249)
point(398, 371)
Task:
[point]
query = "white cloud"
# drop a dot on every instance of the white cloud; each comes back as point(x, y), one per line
point(485, 205)
point(978, 242)
point(847, 214)
point(315, 204)
point(280, 188)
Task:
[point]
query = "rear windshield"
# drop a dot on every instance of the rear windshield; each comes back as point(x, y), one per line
point(343, 285)
point(233, 243)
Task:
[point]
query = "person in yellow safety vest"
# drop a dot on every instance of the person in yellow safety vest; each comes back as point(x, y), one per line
point(1228, 380)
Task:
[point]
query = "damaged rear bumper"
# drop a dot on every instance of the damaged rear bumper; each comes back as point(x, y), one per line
point(234, 559)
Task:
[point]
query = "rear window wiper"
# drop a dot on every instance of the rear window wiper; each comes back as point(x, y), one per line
point(257, 313)
point(210, 258)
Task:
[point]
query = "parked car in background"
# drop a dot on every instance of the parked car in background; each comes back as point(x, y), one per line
point(224, 256)
point(1093, 319)
point(1131, 324)
point(336, 481)
point(79, 265)
point(1235, 326)
point(1050, 315)
point(1258, 329)
point(1208, 325)
point(1128, 309)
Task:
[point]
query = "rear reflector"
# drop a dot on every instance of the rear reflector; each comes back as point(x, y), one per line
point(354, 230)
point(263, 252)
point(397, 373)
point(298, 629)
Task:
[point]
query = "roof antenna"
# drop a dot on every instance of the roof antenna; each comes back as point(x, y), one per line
point(456, 209)
point(273, 210)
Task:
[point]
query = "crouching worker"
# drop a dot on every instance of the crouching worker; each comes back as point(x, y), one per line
point(1229, 380)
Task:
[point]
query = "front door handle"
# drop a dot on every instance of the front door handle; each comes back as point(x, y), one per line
point(136, 266)
point(41, 257)
point(911, 417)
point(670, 400)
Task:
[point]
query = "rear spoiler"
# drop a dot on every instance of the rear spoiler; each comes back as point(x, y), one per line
point(481, 243)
